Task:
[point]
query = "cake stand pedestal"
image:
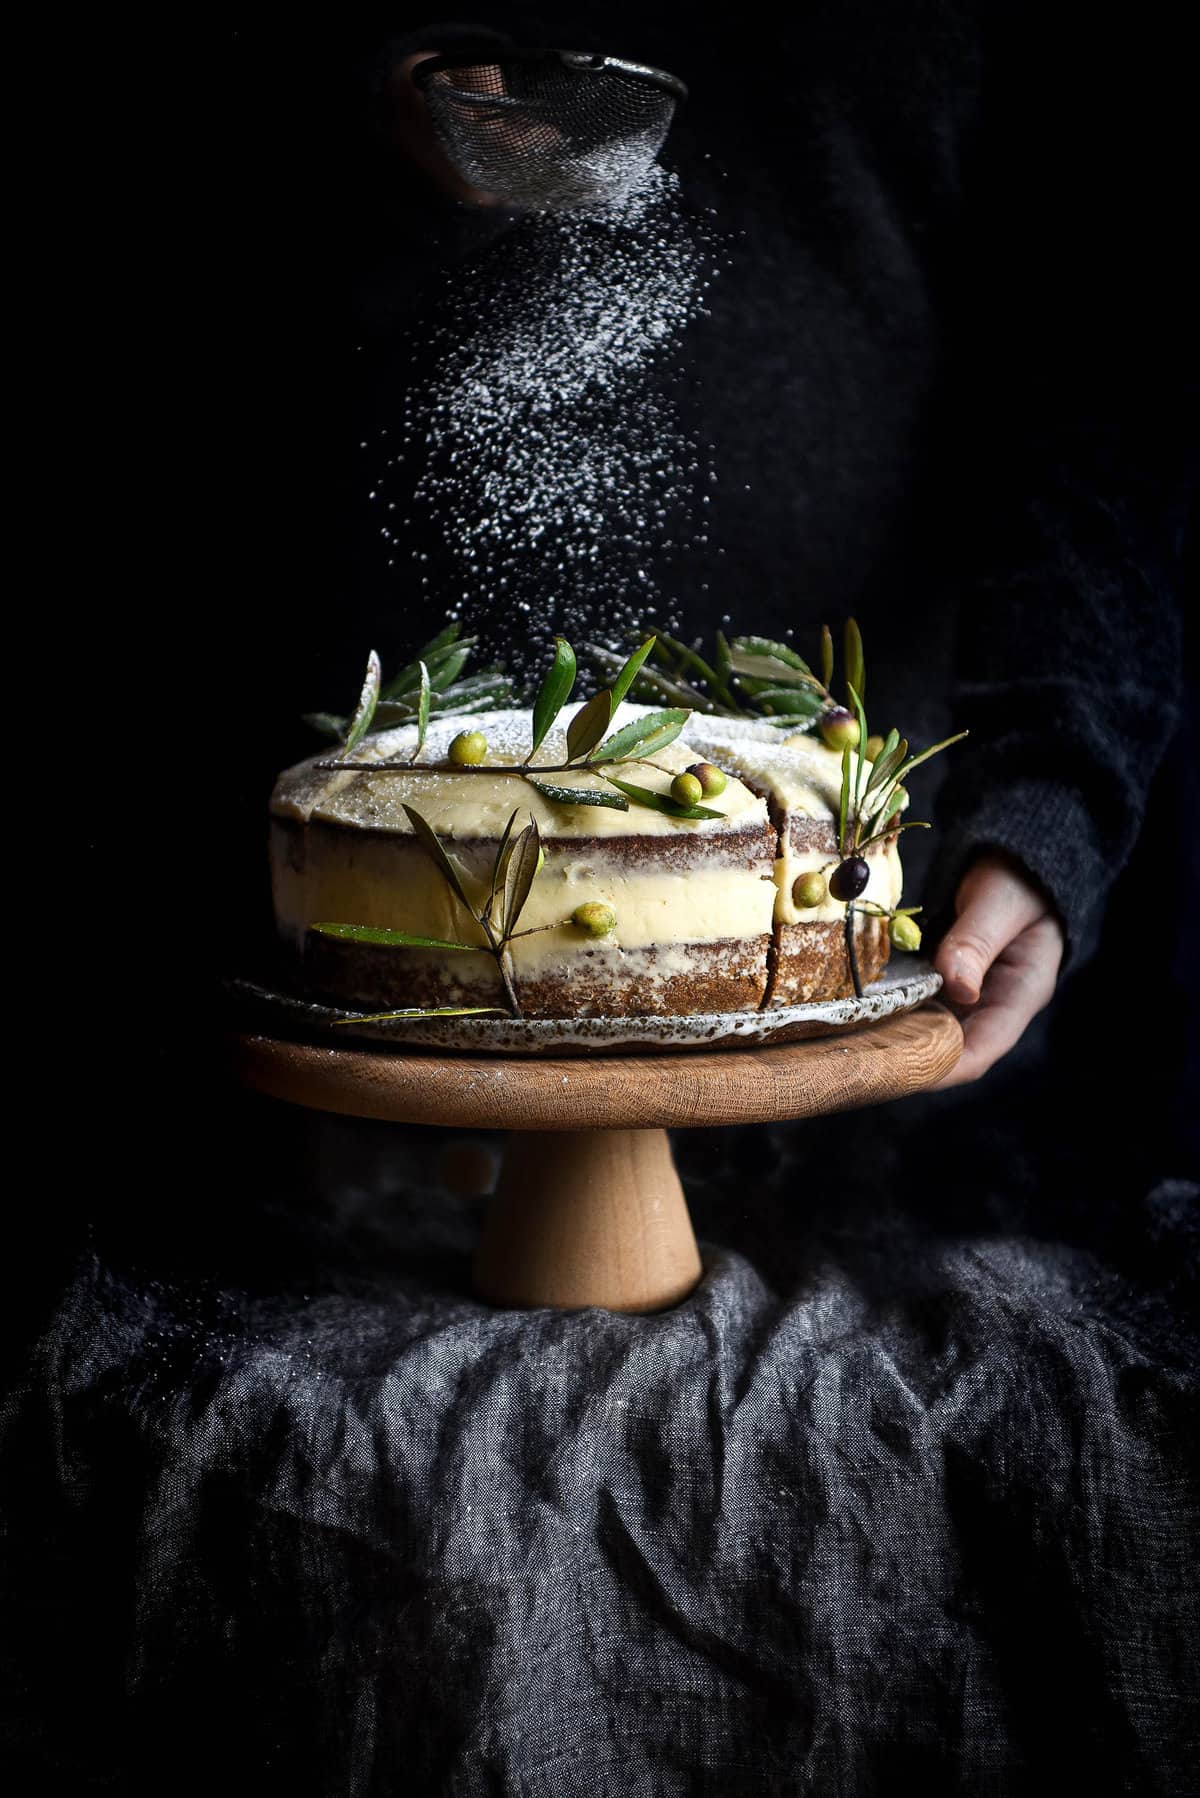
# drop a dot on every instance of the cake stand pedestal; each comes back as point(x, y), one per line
point(589, 1209)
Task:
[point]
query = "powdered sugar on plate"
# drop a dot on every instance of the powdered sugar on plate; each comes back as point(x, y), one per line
point(902, 986)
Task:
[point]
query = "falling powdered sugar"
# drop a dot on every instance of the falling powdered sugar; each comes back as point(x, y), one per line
point(552, 463)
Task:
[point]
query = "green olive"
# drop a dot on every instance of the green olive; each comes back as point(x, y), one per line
point(874, 748)
point(809, 890)
point(468, 749)
point(687, 789)
point(905, 933)
point(594, 919)
point(711, 778)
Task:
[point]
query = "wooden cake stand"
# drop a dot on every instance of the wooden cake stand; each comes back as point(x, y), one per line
point(589, 1209)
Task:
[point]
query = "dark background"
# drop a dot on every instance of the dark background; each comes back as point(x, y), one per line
point(270, 248)
point(250, 232)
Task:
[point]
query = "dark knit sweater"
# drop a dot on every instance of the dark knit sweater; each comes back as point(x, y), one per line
point(945, 377)
point(942, 377)
point(903, 1495)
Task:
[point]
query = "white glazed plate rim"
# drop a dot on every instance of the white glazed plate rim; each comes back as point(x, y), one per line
point(901, 987)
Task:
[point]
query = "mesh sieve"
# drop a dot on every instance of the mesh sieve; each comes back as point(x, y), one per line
point(549, 130)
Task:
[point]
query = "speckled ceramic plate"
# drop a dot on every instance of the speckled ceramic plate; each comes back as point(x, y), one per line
point(903, 985)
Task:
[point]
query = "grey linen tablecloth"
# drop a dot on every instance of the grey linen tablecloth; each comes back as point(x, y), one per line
point(903, 1492)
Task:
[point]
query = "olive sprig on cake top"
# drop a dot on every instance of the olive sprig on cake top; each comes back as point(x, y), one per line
point(872, 795)
point(433, 684)
point(745, 677)
point(753, 680)
point(589, 749)
point(753, 666)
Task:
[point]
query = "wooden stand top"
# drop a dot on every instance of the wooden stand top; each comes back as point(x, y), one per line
point(901, 1055)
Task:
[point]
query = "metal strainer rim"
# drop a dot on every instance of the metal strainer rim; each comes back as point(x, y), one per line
point(583, 61)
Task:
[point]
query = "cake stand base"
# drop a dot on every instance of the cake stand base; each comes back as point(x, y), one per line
point(589, 1209)
point(588, 1217)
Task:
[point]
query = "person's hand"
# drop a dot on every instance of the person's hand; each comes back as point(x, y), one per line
point(999, 961)
point(411, 130)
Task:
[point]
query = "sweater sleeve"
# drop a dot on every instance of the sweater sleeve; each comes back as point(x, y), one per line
point(1075, 473)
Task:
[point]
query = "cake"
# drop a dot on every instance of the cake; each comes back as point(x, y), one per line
point(705, 919)
point(800, 779)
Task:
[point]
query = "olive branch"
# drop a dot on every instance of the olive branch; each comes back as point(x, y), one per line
point(433, 684)
point(514, 869)
point(748, 676)
point(589, 749)
point(872, 794)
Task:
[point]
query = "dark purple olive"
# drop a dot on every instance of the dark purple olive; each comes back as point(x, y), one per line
point(848, 880)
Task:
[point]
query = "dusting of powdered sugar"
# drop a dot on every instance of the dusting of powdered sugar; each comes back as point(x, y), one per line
point(902, 986)
point(542, 444)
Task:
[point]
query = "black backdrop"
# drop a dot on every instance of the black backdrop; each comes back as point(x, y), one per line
point(908, 1490)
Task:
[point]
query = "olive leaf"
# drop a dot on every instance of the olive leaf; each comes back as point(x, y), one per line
point(914, 761)
point(391, 711)
point(444, 639)
point(481, 697)
point(589, 724)
point(888, 805)
point(661, 802)
point(771, 669)
point(723, 664)
point(472, 884)
point(579, 795)
point(844, 801)
point(498, 864)
point(879, 787)
point(884, 911)
point(791, 702)
point(891, 753)
point(389, 939)
point(629, 673)
point(451, 668)
point(519, 875)
point(485, 684)
point(368, 699)
point(857, 703)
point(479, 692)
point(427, 837)
point(680, 692)
point(422, 711)
point(856, 674)
point(826, 657)
point(450, 655)
point(434, 654)
point(914, 824)
point(645, 736)
point(779, 652)
point(418, 1011)
point(554, 692)
point(684, 656)
point(889, 811)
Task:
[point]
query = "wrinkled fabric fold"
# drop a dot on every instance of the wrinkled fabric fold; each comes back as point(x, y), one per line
point(887, 1492)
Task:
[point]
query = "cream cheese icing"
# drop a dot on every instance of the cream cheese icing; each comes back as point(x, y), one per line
point(463, 806)
point(363, 868)
point(368, 881)
point(799, 773)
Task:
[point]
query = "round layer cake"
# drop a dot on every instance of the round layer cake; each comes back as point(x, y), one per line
point(704, 914)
